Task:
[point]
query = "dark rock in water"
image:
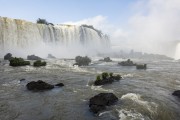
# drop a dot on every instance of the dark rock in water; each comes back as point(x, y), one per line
point(127, 63)
point(39, 63)
point(33, 57)
point(100, 101)
point(141, 66)
point(59, 84)
point(82, 61)
point(8, 56)
point(39, 85)
point(18, 62)
point(117, 77)
point(107, 59)
point(50, 56)
point(106, 78)
point(22, 79)
point(176, 93)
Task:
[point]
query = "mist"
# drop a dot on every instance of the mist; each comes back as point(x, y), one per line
point(153, 28)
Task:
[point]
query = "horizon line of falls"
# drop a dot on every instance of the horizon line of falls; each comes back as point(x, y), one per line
point(23, 38)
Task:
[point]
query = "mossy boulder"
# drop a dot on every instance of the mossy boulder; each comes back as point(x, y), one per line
point(39, 63)
point(82, 61)
point(127, 63)
point(106, 78)
point(106, 59)
point(8, 56)
point(18, 62)
point(144, 66)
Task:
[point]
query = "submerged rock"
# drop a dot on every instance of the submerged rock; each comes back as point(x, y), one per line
point(39, 85)
point(33, 57)
point(106, 78)
point(100, 101)
point(107, 59)
point(8, 56)
point(22, 80)
point(127, 63)
point(82, 61)
point(18, 62)
point(176, 93)
point(144, 66)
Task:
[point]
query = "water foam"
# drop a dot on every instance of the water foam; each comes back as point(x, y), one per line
point(130, 115)
point(99, 88)
point(136, 98)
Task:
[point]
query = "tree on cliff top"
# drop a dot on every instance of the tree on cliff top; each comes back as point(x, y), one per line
point(42, 21)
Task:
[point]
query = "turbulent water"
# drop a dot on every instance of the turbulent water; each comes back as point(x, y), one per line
point(22, 37)
point(143, 94)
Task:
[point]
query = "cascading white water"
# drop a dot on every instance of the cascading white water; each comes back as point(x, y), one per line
point(25, 37)
point(177, 53)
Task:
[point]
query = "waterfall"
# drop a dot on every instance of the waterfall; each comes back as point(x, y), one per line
point(177, 53)
point(22, 37)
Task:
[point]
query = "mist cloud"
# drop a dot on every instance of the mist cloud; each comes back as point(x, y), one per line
point(154, 27)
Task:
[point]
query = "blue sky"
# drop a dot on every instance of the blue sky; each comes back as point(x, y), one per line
point(58, 11)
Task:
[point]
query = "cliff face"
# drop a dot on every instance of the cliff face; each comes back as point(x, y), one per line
point(22, 34)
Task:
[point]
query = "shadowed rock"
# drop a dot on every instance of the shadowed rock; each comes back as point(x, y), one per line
point(176, 93)
point(33, 57)
point(39, 85)
point(8, 56)
point(100, 101)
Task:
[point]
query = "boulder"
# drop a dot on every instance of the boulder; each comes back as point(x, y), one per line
point(176, 93)
point(82, 61)
point(106, 78)
point(59, 84)
point(144, 66)
point(127, 63)
point(39, 85)
point(100, 101)
point(33, 57)
point(51, 56)
point(18, 62)
point(8, 56)
point(39, 63)
point(107, 59)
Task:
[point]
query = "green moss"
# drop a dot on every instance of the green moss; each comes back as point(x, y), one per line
point(98, 77)
point(38, 63)
point(18, 62)
point(110, 74)
point(105, 75)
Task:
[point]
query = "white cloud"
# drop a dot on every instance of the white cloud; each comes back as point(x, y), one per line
point(154, 27)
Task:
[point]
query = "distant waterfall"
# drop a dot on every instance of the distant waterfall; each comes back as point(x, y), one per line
point(177, 53)
point(22, 35)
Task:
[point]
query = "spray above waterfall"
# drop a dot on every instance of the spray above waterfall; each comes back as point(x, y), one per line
point(22, 38)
